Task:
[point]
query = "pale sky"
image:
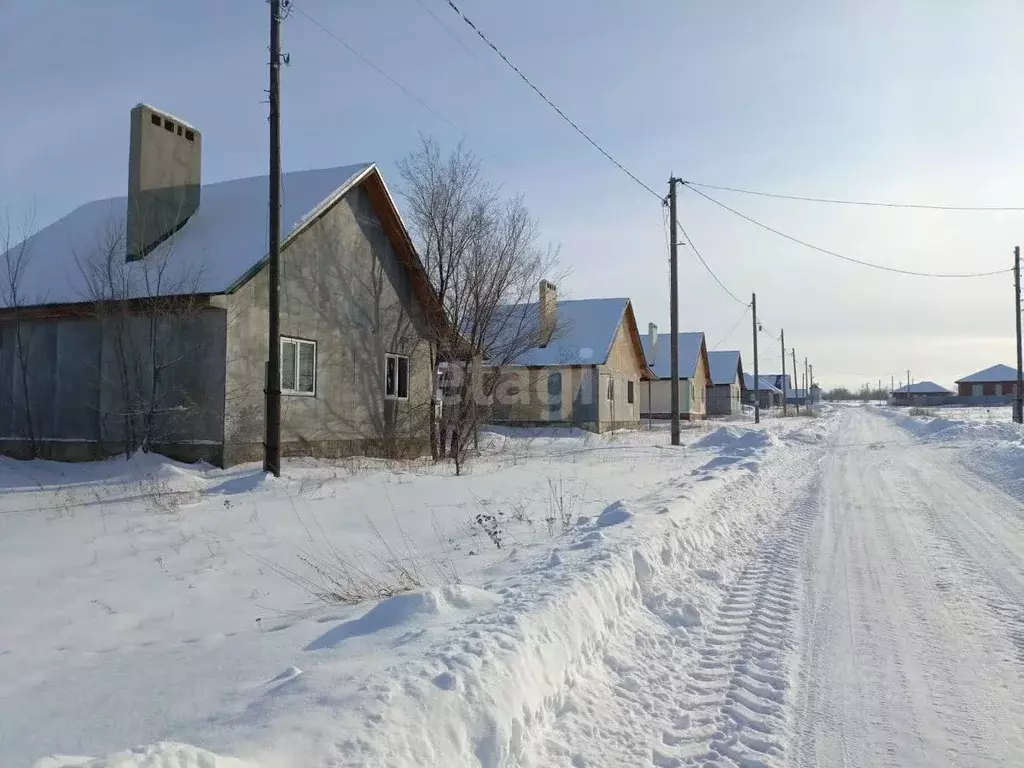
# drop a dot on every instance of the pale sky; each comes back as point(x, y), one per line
point(910, 102)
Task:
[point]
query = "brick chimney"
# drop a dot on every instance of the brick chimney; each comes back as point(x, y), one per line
point(652, 343)
point(548, 308)
point(163, 178)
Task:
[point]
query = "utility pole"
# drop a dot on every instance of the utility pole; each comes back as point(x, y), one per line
point(673, 307)
point(796, 378)
point(757, 381)
point(782, 344)
point(1018, 405)
point(806, 393)
point(810, 384)
point(892, 383)
point(272, 443)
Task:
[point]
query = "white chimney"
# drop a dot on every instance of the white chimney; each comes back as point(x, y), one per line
point(547, 307)
point(652, 343)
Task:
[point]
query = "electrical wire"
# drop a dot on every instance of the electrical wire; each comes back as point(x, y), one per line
point(871, 203)
point(733, 329)
point(711, 272)
point(451, 33)
point(374, 67)
point(827, 252)
point(548, 101)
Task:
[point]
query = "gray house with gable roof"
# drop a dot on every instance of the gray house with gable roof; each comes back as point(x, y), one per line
point(141, 321)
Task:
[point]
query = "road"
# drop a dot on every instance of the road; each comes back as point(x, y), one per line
point(878, 622)
point(911, 650)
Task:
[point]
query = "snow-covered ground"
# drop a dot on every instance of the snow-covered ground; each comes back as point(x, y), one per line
point(846, 590)
point(148, 601)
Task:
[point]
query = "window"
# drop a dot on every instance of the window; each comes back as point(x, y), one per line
point(630, 395)
point(179, 130)
point(396, 376)
point(190, 134)
point(298, 367)
point(155, 119)
point(611, 389)
point(168, 125)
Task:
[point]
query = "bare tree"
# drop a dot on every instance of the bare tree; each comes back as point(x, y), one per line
point(483, 257)
point(145, 309)
point(15, 297)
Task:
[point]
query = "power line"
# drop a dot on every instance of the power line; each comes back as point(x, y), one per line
point(827, 252)
point(871, 203)
point(549, 102)
point(422, 4)
point(711, 272)
point(733, 329)
point(376, 68)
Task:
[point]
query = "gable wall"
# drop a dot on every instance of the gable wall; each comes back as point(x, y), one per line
point(343, 287)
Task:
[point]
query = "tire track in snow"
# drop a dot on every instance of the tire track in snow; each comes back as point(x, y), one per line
point(738, 715)
point(695, 672)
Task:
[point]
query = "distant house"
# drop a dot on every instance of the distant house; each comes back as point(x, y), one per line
point(769, 396)
point(726, 395)
point(694, 376)
point(145, 318)
point(589, 374)
point(997, 381)
point(920, 393)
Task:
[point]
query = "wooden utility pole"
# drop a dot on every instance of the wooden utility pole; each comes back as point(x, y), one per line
point(796, 378)
point(806, 393)
point(272, 415)
point(673, 307)
point(757, 381)
point(1018, 405)
point(782, 345)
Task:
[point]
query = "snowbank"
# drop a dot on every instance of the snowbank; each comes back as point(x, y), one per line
point(990, 447)
point(162, 755)
point(458, 673)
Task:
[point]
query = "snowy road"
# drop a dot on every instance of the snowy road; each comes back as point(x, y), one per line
point(912, 640)
point(879, 622)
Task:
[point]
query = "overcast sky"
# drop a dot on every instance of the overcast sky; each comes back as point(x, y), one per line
point(916, 103)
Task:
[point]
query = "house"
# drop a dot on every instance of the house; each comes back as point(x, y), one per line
point(769, 396)
point(143, 319)
point(997, 381)
point(583, 366)
point(726, 368)
point(694, 376)
point(920, 393)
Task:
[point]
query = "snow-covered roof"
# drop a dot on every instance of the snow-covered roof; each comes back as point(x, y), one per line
point(584, 331)
point(922, 388)
point(689, 353)
point(219, 244)
point(994, 374)
point(724, 365)
point(765, 382)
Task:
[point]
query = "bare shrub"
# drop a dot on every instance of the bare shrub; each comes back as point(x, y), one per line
point(917, 411)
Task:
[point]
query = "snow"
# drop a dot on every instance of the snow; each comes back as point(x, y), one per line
point(585, 330)
point(218, 245)
point(724, 365)
point(996, 373)
point(690, 345)
point(764, 382)
point(840, 590)
point(150, 602)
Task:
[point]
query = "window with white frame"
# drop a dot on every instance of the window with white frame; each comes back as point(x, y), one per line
point(298, 367)
point(396, 376)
